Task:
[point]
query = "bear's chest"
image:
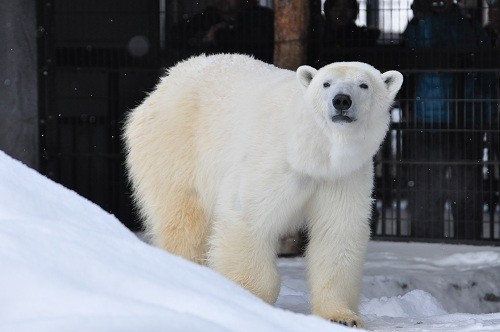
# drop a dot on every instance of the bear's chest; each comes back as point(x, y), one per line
point(347, 158)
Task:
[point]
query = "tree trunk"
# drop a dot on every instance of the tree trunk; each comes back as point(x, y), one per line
point(291, 27)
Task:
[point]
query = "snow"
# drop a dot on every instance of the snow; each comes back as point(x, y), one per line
point(66, 265)
point(416, 287)
point(415, 303)
point(472, 260)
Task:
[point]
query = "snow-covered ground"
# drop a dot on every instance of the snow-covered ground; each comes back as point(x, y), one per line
point(66, 265)
point(417, 287)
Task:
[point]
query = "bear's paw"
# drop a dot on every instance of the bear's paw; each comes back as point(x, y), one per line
point(347, 318)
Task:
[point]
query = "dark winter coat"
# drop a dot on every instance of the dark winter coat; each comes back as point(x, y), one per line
point(436, 93)
point(251, 32)
point(348, 36)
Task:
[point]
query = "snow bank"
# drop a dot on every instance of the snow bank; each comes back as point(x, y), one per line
point(462, 278)
point(416, 303)
point(69, 266)
point(471, 260)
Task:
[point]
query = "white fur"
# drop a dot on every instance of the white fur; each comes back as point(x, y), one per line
point(228, 154)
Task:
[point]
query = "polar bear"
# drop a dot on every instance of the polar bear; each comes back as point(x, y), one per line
point(228, 154)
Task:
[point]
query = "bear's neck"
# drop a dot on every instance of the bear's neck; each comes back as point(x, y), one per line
point(314, 150)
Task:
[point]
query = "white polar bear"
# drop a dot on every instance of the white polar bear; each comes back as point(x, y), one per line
point(229, 154)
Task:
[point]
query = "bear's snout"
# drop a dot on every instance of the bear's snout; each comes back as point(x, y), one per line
point(342, 102)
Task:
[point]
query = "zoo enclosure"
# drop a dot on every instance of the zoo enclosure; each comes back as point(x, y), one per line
point(98, 59)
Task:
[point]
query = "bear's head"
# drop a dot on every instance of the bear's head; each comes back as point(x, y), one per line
point(348, 103)
point(346, 95)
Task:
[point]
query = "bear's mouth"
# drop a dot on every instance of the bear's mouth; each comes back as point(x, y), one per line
point(339, 118)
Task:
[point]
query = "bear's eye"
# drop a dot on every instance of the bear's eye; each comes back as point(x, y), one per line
point(326, 84)
point(363, 86)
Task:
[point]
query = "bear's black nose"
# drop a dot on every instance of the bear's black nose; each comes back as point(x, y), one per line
point(342, 102)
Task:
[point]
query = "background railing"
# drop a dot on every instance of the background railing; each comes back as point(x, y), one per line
point(98, 59)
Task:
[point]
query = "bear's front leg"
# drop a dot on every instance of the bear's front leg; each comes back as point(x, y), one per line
point(339, 233)
point(249, 219)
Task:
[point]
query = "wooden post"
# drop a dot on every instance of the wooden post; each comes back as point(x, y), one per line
point(291, 22)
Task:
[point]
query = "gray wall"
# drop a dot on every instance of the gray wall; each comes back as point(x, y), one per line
point(18, 81)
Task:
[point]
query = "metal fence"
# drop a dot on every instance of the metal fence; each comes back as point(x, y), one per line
point(437, 173)
point(97, 60)
point(440, 180)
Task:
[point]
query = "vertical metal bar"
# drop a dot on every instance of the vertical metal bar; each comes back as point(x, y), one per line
point(399, 177)
point(43, 45)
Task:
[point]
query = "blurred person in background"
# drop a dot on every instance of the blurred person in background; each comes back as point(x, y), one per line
point(493, 26)
point(228, 26)
point(449, 113)
point(340, 29)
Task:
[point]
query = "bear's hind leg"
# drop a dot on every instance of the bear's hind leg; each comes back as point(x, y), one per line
point(184, 228)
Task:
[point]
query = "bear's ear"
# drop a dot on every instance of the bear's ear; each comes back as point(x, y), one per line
point(305, 75)
point(393, 80)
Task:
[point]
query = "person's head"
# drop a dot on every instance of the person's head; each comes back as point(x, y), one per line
point(233, 6)
point(227, 7)
point(425, 7)
point(494, 16)
point(441, 6)
point(341, 12)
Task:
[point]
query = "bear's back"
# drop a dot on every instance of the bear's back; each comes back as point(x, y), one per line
point(222, 64)
point(222, 75)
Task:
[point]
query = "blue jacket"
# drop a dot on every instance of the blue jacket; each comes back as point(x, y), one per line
point(436, 93)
